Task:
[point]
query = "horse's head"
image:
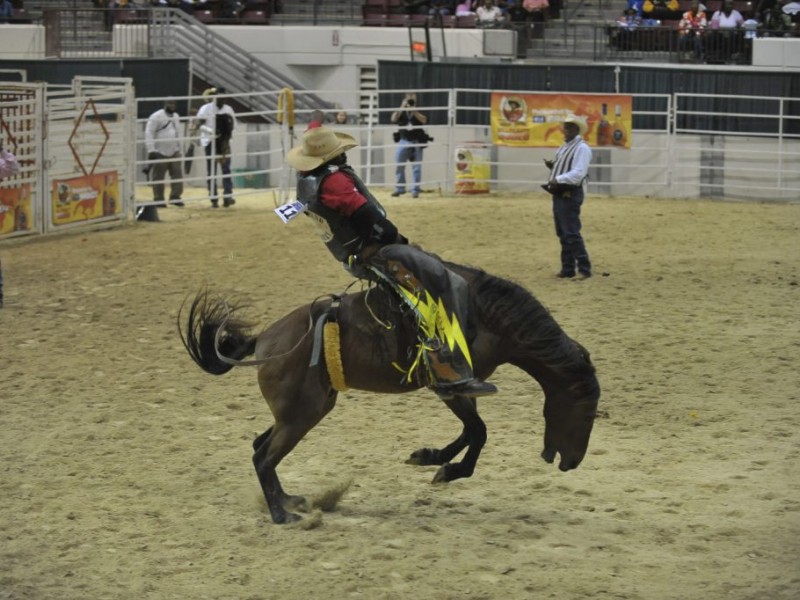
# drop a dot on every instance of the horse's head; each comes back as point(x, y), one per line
point(569, 415)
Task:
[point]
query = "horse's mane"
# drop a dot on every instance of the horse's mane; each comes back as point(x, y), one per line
point(511, 311)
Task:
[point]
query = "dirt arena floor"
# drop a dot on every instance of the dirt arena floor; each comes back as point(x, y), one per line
point(126, 470)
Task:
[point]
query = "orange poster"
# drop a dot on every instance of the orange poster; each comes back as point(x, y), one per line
point(534, 120)
point(15, 209)
point(85, 198)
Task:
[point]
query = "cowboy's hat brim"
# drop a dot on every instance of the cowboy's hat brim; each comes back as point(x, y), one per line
point(580, 123)
point(300, 160)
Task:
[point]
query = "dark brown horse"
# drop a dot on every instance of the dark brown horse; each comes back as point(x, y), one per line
point(510, 326)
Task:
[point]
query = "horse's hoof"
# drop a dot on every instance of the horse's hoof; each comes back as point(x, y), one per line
point(442, 475)
point(422, 457)
point(286, 518)
point(296, 503)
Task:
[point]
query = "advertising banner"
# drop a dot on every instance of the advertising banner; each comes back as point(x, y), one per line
point(534, 120)
point(473, 170)
point(15, 209)
point(82, 199)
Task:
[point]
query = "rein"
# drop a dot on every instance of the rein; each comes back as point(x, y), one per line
point(260, 361)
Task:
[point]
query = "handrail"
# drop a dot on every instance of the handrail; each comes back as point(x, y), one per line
point(174, 33)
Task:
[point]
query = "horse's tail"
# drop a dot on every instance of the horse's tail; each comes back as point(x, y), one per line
point(201, 338)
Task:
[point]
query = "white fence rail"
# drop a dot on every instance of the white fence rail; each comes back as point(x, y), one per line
point(83, 154)
point(669, 158)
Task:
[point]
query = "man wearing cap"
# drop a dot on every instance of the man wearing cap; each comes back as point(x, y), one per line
point(163, 142)
point(356, 230)
point(216, 121)
point(567, 174)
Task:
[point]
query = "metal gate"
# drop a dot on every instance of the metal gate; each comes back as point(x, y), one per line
point(74, 145)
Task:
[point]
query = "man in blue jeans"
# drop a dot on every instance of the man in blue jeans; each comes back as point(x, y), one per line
point(411, 139)
point(216, 122)
point(567, 174)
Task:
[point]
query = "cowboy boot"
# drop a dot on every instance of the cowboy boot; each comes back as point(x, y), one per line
point(453, 376)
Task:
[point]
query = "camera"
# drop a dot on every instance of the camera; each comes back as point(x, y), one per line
point(410, 102)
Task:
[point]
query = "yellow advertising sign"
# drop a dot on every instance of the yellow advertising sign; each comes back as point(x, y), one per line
point(473, 170)
point(15, 209)
point(534, 120)
point(81, 199)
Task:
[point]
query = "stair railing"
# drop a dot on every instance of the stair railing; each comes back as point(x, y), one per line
point(218, 60)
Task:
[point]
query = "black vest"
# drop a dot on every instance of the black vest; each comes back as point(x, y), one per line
point(336, 230)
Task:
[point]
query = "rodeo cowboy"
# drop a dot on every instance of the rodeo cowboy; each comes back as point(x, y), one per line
point(357, 232)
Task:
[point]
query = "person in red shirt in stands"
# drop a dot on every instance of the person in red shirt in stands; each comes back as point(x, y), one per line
point(690, 31)
point(356, 230)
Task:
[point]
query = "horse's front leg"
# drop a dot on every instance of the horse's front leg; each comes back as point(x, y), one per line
point(473, 437)
point(436, 456)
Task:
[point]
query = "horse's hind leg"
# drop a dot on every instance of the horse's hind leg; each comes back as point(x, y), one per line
point(435, 456)
point(474, 430)
point(295, 415)
point(286, 500)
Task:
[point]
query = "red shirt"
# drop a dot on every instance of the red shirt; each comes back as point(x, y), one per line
point(339, 193)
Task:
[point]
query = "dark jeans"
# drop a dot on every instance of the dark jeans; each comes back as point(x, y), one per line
point(175, 169)
point(567, 217)
point(211, 181)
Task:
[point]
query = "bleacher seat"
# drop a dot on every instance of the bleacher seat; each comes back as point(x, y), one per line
point(254, 17)
point(127, 15)
point(446, 21)
point(397, 20)
point(205, 16)
point(20, 15)
point(375, 20)
point(467, 21)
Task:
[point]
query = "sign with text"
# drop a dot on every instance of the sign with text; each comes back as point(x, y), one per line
point(535, 120)
point(85, 198)
point(15, 209)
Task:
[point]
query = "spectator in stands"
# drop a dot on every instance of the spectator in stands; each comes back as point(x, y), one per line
point(440, 8)
point(162, 138)
point(341, 118)
point(465, 9)
point(535, 12)
point(690, 32)
point(727, 17)
point(627, 22)
point(725, 40)
point(489, 15)
point(415, 7)
point(6, 11)
point(662, 10)
point(568, 171)
point(216, 121)
point(636, 5)
point(231, 9)
point(411, 139)
point(776, 23)
point(317, 119)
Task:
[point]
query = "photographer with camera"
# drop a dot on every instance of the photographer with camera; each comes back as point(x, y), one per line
point(412, 139)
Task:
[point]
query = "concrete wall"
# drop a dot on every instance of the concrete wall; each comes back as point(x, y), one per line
point(323, 58)
point(776, 52)
point(20, 42)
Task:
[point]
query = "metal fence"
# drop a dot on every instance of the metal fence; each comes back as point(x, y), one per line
point(678, 155)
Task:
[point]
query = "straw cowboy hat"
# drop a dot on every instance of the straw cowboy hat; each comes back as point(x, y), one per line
point(318, 147)
point(579, 122)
